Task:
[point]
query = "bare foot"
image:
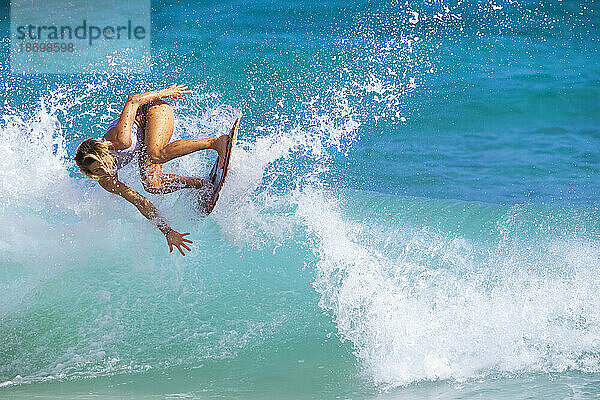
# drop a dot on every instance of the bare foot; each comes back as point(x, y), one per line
point(220, 145)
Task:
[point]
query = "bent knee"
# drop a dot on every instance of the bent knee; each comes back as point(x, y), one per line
point(152, 187)
point(156, 156)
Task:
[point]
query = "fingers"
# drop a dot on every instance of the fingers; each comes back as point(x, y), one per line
point(179, 242)
point(178, 90)
point(185, 240)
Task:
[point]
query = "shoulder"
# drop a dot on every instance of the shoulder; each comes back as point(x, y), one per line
point(113, 138)
point(110, 184)
point(113, 185)
point(111, 143)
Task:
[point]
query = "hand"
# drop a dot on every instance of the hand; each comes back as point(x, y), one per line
point(175, 91)
point(177, 239)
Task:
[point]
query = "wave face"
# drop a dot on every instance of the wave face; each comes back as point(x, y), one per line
point(413, 198)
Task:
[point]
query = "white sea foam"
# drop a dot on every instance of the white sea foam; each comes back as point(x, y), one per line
point(423, 306)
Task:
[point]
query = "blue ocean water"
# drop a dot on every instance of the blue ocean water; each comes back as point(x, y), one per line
point(412, 209)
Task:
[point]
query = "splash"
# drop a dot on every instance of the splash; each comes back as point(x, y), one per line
point(422, 305)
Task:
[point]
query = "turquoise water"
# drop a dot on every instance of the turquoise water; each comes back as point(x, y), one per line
point(412, 210)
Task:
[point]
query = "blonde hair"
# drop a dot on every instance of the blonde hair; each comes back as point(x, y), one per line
point(91, 150)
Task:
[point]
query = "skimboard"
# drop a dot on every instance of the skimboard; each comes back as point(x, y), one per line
point(217, 175)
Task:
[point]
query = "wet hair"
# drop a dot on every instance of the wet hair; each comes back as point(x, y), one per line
point(91, 150)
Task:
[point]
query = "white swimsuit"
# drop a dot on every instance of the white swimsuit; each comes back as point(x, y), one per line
point(124, 157)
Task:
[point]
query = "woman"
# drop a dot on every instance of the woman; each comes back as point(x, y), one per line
point(144, 129)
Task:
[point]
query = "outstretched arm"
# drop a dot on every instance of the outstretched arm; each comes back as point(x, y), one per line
point(148, 210)
point(120, 135)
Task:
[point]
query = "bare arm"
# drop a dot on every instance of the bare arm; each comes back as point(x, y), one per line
point(120, 135)
point(147, 209)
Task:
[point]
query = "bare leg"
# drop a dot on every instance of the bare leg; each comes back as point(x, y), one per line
point(156, 182)
point(159, 129)
point(158, 150)
point(183, 147)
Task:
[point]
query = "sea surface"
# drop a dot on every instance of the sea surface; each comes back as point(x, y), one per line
point(412, 210)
